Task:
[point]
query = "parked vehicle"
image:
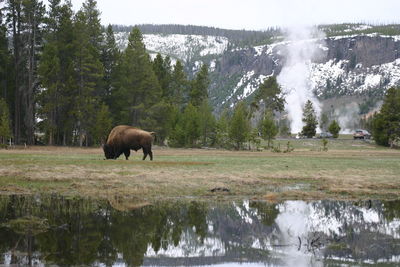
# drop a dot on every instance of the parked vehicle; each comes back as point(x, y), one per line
point(325, 135)
point(361, 134)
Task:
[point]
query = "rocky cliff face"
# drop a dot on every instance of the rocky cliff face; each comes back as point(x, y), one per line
point(368, 50)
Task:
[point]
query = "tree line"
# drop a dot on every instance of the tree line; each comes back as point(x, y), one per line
point(64, 82)
point(237, 37)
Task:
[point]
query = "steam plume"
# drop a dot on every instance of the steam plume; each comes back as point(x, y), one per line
point(294, 77)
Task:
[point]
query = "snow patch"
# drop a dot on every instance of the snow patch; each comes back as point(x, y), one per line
point(242, 81)
point(259, 49)
point(211, 247)
point(252, 86)
point(357, 80)
point(213, 64)
point(322, 47)
point(396, 38)
point(181, 46)
point(358, 28)
point(250, 83)
point(321, 73)
point(372, 80)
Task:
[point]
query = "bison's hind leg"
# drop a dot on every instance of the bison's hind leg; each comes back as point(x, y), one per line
point(145, 153)
point(127, 153)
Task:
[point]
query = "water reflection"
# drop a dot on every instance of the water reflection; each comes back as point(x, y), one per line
point(56, 230)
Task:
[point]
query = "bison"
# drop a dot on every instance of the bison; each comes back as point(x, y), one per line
point(123, 138)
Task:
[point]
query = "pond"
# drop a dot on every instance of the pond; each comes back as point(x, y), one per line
point(54, 230)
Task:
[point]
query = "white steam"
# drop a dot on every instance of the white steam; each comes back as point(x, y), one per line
point(347, 117)
point(294, 77)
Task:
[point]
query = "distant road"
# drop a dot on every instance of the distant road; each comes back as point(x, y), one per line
point(341, 139)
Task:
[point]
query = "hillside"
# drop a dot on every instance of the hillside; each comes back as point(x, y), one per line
point(351, 63)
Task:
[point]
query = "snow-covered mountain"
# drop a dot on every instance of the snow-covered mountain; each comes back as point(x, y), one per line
point(359, 65)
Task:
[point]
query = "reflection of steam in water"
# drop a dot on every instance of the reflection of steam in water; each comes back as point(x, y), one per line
point(291, 233)
point(343, 232)
point(295, 227)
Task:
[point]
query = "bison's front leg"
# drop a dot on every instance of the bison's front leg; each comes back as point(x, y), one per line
point(127, 153)
point(117, 154)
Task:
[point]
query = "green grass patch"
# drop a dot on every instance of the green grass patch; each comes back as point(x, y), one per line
point(344, 172)
point(33, 185)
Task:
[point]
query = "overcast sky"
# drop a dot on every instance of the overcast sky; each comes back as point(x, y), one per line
point(246, 14)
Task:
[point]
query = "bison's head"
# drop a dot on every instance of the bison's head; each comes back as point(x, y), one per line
point(108, 151)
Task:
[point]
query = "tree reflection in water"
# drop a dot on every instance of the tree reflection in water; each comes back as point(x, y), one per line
point(62, 231)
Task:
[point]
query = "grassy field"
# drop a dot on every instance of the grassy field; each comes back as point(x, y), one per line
point(349, 170)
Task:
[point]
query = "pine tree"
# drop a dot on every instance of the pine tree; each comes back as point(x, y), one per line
point(324, 122)
point(179, 86)
point(65, 39)
point(102, 125)
point(270, 94)
point(199, 87)
point(386, 124)
point(49, 70)
point(186, 131)
point(176, 135)
point(166, 83)
point(162, 69)
point(334, 129)
point(5, 130)
point(222, 129)
point(137, 87)
point(5, 60)
point(158, 119)
point(239, 127)
point(33, 18)
point(93, 24)
point(268, 127)
point(109, 57)
point(192, 125)
point(207, 124)
point(310, 120)
point(14, 9)
point(89, 70)
point(163, 111)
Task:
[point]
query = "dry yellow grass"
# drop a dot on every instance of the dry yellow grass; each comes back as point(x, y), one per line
point(187, 173)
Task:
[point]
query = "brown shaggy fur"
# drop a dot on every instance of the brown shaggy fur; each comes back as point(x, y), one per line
point(123, 138)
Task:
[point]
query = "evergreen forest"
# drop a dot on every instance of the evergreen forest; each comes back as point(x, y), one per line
point(63, 81)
